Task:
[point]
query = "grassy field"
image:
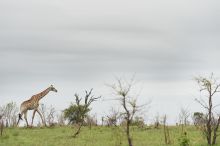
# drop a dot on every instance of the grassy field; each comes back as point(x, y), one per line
point(97, 136)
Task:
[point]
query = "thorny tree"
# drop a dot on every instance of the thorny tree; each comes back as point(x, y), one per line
point(113, 117)
point(10, 114)
point(91, 120)
point(48, 114)
point(157, 121)
point(60, 119)
point(43, 109)
point(210, 87)
point(122, 90)
point(78, 111)
point(184, 116)
point(51, 116)
point(166, 131)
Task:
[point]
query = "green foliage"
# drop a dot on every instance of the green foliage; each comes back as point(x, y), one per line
point(183, 140)
point(199, 118)
point(76, 113)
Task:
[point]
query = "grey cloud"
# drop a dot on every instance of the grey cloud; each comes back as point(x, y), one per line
point(68, 41)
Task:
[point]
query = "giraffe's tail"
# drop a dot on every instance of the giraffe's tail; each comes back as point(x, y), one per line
point(20, 116)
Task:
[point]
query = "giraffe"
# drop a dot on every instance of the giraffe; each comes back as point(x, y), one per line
point(33, 104)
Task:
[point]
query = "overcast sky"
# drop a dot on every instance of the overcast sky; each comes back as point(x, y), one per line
point(77, 45)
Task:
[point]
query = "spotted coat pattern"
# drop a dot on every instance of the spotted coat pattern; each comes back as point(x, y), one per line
point(33, 104)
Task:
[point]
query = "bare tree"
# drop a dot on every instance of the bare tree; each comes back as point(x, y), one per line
point(122, 90)
point(43, 110)
point(91, 120)
point(184, 116)
point(113, 117)
point(51, 116)
point(10, 114)
point(138, 121)
point(1, 120)
point(166, 131)
point(1, 124)
point(60, 119)
point(157, 121)
point(209, 86)
point(48, 114)
point(77, 112)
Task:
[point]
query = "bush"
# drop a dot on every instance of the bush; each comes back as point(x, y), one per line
point(184, 140)
point(138, 121)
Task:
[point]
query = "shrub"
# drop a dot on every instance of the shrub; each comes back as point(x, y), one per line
point(184, 140)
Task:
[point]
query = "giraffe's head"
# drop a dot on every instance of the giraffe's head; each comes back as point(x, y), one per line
point(52, 88)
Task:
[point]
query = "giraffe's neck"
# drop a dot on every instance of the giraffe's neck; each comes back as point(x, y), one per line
point(43, 93)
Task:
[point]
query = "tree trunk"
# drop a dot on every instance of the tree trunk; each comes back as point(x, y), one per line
point(166, 131)
point(130, 141)
point(128, 133)
point(215, 132)
point(209, 124)
point(214, 138)
point(1, 127)
point(165, 135)
point(78, 130)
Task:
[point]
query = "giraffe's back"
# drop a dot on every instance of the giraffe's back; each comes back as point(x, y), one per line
point(30, 104)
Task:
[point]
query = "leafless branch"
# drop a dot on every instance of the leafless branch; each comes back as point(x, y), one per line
point(215, 90)
point(216, 106)
point(201, 103)
point(78, 99)
point(122, 89)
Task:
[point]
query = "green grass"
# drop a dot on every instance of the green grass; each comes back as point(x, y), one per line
point(97, 136)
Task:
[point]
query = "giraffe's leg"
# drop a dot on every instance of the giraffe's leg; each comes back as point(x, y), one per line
point(43, 122)
point(25, 117)
point(33, 117)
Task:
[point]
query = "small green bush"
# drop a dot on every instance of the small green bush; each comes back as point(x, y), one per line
point(184, 140)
